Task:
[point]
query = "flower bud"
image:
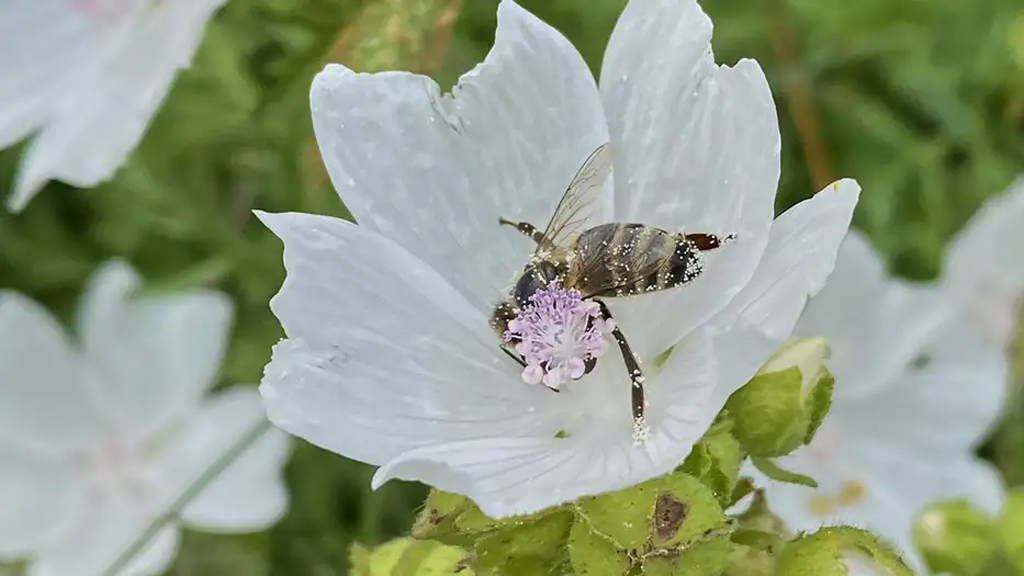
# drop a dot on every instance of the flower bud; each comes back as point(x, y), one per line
point(782, 406)
point(954, 537)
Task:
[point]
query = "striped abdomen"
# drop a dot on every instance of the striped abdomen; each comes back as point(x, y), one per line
point(623, 259)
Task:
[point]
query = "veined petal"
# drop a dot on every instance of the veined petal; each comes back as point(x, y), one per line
point(876, 325)
point(434, 172)
point(103, 114)
point(800, 254)
point(698, 149)
point(382, 355)
point(155, 355)
point(519, 475)
point(39, 497)
point(249, 495)
point(46, 403)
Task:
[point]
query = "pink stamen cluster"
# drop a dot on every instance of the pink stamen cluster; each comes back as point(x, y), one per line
point(556, 334)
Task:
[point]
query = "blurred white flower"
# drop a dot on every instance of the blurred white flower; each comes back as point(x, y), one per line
point(86, 76)
point(908, 407)
point(390, 359)
point(984, 265)
point(98, 437)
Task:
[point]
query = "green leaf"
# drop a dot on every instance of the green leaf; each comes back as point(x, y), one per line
point(1011, 528)
point(437, 520)
point(664, 512)
point(773, 471)
point(830, 551)
point(758, 527)
point(702, 559)
point(531, 544)
point(536, 545)
point(715, 461)
point(594, 555)
point(409, 557)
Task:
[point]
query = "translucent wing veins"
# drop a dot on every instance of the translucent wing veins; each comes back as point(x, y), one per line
point(576, 207)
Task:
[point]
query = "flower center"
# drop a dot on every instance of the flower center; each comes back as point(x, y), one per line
point(115, 466)
point(559, 335)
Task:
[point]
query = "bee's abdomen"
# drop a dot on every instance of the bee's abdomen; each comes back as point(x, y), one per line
point(683, 266)
point(622, 259)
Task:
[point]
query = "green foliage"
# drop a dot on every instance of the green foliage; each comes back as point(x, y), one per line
point(955, 538)
point(922, 102)
point(715, 461)
point(831, 552)
point(409, 557)
point(1010, 530)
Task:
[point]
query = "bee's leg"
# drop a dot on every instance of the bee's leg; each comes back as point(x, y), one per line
point(705, 242)
point(636, 377)
point(515, 357)
point(524, 227)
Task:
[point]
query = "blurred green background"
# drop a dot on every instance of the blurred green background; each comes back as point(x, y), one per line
point(921, 101)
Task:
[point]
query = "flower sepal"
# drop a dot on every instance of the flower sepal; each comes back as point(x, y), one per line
point(715, 461)
point(783, 405)
point(840, 551)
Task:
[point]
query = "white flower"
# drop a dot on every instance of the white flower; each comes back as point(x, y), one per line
point(907, 409)
point(984, 265)
point(87, 75)
point(97, 439)
point(390, 359)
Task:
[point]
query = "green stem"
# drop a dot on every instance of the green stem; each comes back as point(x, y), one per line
point(193, 490)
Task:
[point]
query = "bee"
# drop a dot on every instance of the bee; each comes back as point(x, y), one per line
point(613, 260)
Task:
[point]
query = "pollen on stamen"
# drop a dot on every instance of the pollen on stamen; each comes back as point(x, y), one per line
point(557, 333)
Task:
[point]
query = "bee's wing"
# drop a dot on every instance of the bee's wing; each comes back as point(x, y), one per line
point(579, 201)
point(615, 274)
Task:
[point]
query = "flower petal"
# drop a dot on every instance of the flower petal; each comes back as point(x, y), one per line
point(518, 475)
point(434, 172)
point(156, 355)
point(698, 148)
point(46, 403)
point(39, 497)
point(100, 538)
point(382, 355)
point(947, 406)
point(101, 118)
point(41, 44)
point(875, 325)
point(249, 495)
point(799, 257)
point(984, 266)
